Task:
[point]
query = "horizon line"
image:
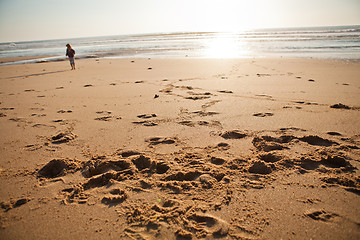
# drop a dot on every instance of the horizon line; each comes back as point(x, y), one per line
point(174, 33)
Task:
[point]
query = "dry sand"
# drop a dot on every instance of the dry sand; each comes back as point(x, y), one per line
point(180, 149)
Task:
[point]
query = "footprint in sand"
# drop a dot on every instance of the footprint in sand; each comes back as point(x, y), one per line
point(62, 137)
point(205, 113)
point(336, 161)
point(61, 121)
point(268, 143)
point(58, 167)
point(103, 112)
point(349, 183)
point(263, 114)
point(39, 125)
point(193, 123)
point(197, 97)
point(321, 215)
point(127, 153)
point(203, 123)
point(146, 123)
point(187, 123)
point(306, 103)
point(318, 141)
point(340, 106)
point(291, 129)
point(105, 118)
point(18, 119)
point(259, 167)
point(32, 147)
point(222, 146)
point(7, 108)
point(263, 75)
point(152, 115)
point(234, 134)
point(225, 91)
point(217, 161)
point(117, 196)
point(209, 104)
point(160, 140)
point(210, 224)
point(37, 115)
point(270, 157)
point(64, 111)
point(6, 206)
point(199, 94)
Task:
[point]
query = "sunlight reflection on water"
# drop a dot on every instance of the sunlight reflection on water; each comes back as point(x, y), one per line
point(225, 46)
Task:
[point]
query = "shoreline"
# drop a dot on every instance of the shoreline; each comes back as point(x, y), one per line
point(14, 60)
point(258, 148)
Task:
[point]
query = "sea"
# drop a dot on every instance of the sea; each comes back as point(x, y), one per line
point(339, 42)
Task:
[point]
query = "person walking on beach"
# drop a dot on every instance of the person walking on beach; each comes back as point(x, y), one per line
point(70, 52)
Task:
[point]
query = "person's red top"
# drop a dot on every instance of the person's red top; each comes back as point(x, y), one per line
point(70, 53)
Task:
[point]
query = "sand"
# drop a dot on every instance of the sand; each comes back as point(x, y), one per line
point(16, 59)
point(180, 149)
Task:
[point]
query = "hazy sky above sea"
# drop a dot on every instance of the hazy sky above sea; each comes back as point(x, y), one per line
point(23, 20)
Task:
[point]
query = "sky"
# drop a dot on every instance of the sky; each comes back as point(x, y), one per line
point(26, 20)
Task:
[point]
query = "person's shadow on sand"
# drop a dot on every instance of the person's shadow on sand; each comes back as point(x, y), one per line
point(38, 74)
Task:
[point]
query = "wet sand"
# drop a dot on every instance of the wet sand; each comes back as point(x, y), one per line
point(15, 59)
point(180, 149)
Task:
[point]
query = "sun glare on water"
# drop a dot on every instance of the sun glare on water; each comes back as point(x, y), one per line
point(224, 46)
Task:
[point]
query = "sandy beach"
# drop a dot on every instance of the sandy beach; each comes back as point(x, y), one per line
point(180, 149)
